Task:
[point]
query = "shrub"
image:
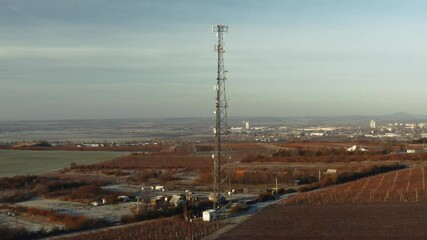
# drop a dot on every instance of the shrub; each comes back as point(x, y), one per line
point(151, 214)
point(351, 176)
point(18, 197)
point(265, 196)
point(237, 209)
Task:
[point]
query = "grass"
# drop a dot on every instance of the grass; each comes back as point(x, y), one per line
point(18, 162)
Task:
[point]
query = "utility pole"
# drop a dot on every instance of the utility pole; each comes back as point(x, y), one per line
point(229, 174)
point(221, 127)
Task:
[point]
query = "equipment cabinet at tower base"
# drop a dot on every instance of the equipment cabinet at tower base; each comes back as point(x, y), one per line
point(209, 215)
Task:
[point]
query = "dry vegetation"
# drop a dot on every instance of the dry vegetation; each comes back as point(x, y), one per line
point(158, 161)
point(232, 147)
point(169, 164)
point(329, 155)
point(166, 167)
point(256, 176)
point(195, 159)
point(22, 188)
point(167, 228)
point(70, 222)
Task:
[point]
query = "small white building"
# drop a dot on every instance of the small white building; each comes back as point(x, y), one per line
point(372, 124)
point(96, 203)
point(317, 134)
point(209, 215)
point(147, 188)
point(352, 148)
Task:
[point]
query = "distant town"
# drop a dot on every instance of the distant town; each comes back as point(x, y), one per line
point(388, 130)
point(128, 133)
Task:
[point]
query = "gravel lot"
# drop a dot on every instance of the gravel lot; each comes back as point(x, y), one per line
point(31, 224)
point(111, 213)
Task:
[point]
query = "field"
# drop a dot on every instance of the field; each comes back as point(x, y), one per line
point(161, 229)
point(407, 185)
point(335, 221)
point(14, 162)
point(159, 160)
point(110, 213)
point(385, 206)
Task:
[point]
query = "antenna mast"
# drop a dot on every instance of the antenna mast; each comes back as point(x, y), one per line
point(221, 127)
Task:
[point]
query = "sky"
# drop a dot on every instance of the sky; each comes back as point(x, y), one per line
point(95, 59)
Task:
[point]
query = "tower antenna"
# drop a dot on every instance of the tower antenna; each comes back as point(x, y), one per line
point(221, 129)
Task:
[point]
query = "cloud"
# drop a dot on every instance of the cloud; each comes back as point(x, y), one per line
point(77, 52)
point(299, 55)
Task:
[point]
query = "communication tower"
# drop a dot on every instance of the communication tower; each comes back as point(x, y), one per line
point(221, 129)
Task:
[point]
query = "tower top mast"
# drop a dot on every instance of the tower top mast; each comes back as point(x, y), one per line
point(221, 127)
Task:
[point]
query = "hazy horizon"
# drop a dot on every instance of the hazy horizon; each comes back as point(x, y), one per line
point(104, 59)
point(390, 115)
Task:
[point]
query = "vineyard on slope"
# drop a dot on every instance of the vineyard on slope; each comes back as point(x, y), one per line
point(408, 185)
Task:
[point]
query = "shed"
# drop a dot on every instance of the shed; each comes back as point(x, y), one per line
point(212, 198)
point(123, 198)
point(209, 215)
point(331, 171)
point(176, 200)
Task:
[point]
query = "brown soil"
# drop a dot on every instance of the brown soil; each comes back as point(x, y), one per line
point(340, 221)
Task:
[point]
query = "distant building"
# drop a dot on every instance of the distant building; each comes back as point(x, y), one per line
point(331, 171)
point(317, 134)
point(352, 148)
point(247, 126)
point(236, 129)
point(372, 124)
